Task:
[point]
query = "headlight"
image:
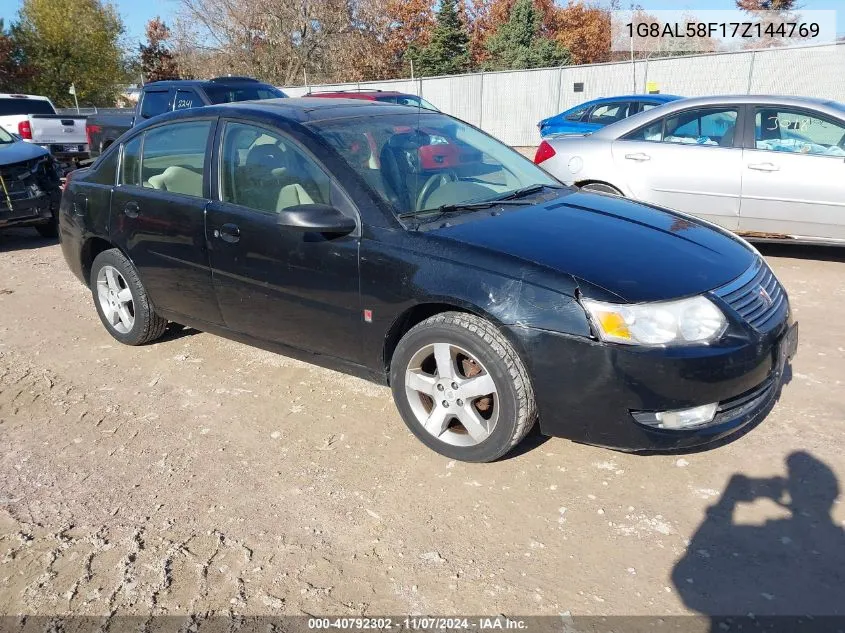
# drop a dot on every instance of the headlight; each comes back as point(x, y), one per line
point(695, 320)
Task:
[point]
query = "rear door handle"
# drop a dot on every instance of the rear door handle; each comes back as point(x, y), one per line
point(229, 233)
point(132, 209)
point(763, 167)
point(638, 156)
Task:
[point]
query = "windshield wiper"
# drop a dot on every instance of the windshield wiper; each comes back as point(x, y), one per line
point(527, 191)
point(457, 207)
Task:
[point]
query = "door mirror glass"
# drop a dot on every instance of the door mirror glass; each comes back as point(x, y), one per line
point(319, 218)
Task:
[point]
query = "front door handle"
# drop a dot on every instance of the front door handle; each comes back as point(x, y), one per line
point(639, 156)
point(763, 167)
point(229, 233)
point(132, 209)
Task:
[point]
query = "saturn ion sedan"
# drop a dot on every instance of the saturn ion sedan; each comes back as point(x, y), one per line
point(768, 168)
point(414, 249)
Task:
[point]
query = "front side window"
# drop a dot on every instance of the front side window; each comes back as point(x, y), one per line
point(130, 165)
point(706, 126)
point(608, 113)
point(154, 103)
point(174, 157)
point(422, 161)
point(186, 99)
point(796, 131)
point(267, 172)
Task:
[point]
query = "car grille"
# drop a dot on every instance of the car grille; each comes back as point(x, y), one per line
point(756, 296)
point(744, 403)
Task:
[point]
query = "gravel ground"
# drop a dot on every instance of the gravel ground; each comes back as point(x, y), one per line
point(198, 475)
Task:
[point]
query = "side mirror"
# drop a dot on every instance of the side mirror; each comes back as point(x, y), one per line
point(317, 218)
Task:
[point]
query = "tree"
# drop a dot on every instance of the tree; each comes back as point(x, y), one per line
point(585, 31)
point(72, 42)
point(519, 42)
point(447, 53)
point(14, 70)
point(780, 6)
point(157, 61)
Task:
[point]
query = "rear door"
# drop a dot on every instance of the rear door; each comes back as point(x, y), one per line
point(689, 160)
point(158, 216)
point(275, 283)
point(794, 174)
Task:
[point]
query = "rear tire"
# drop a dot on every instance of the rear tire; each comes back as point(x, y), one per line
point(461, 387)
point(121, 300)
point(601, 187)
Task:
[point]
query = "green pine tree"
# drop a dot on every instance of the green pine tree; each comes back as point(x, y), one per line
point(448, 51)
point(518, 43)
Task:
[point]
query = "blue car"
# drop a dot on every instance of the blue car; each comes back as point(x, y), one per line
point(595, 114)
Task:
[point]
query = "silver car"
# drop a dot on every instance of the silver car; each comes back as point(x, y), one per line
point(768, 168)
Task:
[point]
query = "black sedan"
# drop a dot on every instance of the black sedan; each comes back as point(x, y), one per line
point(412, 248)
point(29, 186)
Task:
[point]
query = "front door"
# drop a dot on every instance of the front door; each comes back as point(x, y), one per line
point(793, 179)
point(158, 216)
point(689, 161)
point(276, 283)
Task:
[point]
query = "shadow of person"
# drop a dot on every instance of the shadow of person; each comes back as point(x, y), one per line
point(792, 566)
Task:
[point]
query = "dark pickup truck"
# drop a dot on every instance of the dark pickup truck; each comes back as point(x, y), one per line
point(163, 96)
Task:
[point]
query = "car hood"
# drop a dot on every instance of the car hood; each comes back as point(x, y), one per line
point(19, 151)
point(632, 250)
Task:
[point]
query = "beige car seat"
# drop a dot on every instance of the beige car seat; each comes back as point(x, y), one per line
point(178, 180)
point(292, 195)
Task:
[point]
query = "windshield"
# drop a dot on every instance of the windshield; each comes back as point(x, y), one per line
point(409, 100)
point(5, 137)
point(20, 105)
point(248, 92)
point(424, 161)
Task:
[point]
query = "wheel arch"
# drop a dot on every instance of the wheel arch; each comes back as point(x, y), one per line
point(419, 312)
point(596, 181)
point(90, 249)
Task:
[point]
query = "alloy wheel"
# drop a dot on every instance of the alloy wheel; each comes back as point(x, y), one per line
point(115, 299)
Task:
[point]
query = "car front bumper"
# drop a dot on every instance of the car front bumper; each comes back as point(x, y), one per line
point(29, 212)
point(586, 390)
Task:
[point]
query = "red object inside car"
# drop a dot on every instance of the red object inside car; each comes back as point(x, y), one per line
point(439, 156)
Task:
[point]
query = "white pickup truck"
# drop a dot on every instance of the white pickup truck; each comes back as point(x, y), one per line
point(34, 119)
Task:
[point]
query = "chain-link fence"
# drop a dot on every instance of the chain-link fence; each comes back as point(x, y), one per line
point(509, 104)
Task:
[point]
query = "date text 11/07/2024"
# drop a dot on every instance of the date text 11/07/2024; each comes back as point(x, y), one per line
point(748, 30)
point(421, 623)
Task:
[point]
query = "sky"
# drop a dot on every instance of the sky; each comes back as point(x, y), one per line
point(136, 13)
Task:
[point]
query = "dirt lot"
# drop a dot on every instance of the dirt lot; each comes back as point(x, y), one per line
point(198, 475)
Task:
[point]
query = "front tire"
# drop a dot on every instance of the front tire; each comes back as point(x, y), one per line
point(461, 387)
point(122, 301)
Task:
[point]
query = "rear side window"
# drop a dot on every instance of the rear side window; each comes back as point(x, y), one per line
point(186, 99)
point(609, 113)
point(174, 157)
point(154, 103)
point(797, 131)
point(130, 165)
point(242, 92)
point(577, 115)
point(105, 172)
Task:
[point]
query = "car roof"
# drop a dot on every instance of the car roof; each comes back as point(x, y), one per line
point(203, 83)
point(618, 98)
point(357, 94)
point(614, 130)
point(18, 95)
point(301, 110)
